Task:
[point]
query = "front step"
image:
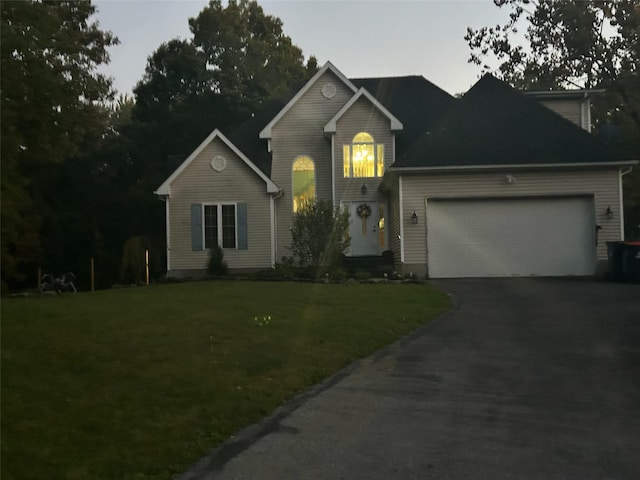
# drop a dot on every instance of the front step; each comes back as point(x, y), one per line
point(375, 265)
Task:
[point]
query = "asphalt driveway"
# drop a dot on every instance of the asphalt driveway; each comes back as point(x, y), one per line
point(523, 378)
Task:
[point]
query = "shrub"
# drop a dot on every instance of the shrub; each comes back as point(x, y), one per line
point(319, 235)
point(338, 274)
point(362, 275)
point(132, 265)
point(216, 265)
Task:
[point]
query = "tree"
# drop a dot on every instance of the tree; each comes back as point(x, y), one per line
point(52, 104)
point(319, 235)
point(250, 58)
point(569, 44)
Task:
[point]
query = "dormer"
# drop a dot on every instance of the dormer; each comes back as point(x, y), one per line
point(574, 105)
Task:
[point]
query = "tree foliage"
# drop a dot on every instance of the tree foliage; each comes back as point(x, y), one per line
point(79, 167)
point(319, 235)
point(552, 44)
point(52, 104)
point(249, 57)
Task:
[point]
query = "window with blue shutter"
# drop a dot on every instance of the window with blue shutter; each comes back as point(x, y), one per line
point(196, 226)
point(243, 237)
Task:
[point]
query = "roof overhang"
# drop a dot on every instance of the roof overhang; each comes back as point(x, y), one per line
point(165, 188)
point(267, 131)
point(564, 94)
point(330, 127)
point(524, 166)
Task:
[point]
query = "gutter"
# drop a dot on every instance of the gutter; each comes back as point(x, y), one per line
point(465, 168)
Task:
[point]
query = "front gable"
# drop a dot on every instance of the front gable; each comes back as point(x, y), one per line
point(216, 164)
point(328, 89)
point(394, 123)
point(217, 196)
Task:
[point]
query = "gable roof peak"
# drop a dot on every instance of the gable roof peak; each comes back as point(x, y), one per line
point(165, 188)
point(395, 124)
point(328, 66)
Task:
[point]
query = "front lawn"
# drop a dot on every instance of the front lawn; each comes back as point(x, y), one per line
point(139, 383)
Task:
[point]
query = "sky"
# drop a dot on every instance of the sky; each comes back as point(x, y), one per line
point(362, 38)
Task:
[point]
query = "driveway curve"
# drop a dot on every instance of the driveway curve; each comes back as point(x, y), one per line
point(523, 378)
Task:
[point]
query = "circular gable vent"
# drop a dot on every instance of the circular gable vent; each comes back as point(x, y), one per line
point(218, 163)
point(329, 90)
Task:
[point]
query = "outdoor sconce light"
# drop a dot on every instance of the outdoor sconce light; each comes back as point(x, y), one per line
point(609, 212)
point(414, 217)
point(363, 189)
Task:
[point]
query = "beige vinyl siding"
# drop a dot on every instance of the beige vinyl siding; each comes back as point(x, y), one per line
point(301, 132)
point(363, 116)
point(569, 109)
point(394, 225)
point(237, 183)
point(602, 184)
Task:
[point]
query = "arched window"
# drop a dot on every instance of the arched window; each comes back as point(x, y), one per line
point(363, 157)
point(304, 182)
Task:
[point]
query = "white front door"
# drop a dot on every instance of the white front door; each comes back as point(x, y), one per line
point(366, 228)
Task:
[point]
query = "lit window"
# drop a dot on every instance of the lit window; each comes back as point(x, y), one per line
point(220, 226)
point(363, 158)
point(304, 182)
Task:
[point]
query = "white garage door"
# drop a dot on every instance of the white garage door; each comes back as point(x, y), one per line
point(511, 237)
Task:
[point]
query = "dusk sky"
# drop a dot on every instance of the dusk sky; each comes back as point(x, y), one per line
point(361, 38)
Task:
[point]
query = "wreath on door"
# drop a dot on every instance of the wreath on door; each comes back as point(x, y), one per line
point(364, 212)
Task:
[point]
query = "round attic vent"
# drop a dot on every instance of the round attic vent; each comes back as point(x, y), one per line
point(218, 163)
point(329, 90)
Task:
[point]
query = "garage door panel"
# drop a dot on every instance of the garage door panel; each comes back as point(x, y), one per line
point(511, 237)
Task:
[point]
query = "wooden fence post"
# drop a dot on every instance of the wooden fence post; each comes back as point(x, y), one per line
point(146, 264)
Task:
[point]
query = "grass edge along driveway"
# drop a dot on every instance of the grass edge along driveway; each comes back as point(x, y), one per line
point(139, 383)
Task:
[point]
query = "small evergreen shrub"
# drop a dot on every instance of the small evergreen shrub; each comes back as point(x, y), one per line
point(216, 264)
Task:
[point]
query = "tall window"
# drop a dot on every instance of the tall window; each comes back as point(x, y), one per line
point(220, 226)
point(363, 157)
point(304, 182)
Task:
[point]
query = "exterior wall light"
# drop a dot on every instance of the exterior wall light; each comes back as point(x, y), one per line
point(414, 217)
point(363, 189)
point(609, 212)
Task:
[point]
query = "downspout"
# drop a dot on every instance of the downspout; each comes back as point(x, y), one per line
point(401, 202)
point(273, 212)
point(167, 199)
point(333, 170)
point(623, 172)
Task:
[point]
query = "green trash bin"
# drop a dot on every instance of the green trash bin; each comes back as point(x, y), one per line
point(631, 262)
point(614, 254)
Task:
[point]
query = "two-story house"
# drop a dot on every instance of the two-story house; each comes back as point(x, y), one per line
point(492, 184)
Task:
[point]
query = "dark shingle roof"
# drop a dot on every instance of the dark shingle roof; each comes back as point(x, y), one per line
point(494, 124)
point(247, 136)
point(413, 100)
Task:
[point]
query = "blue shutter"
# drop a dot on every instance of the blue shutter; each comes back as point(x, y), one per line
point(196, 226)
point(243, 238)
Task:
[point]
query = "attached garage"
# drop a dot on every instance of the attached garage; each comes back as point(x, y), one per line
point(498, 237)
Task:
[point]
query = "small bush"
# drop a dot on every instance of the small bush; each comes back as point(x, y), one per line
point(216, 265)
point(338, 274)
point(362, 275)
point(286, 268)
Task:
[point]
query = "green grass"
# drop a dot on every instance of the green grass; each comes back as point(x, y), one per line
point(139, 383)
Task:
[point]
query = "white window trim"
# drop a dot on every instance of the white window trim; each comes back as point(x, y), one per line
point(219, 226)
